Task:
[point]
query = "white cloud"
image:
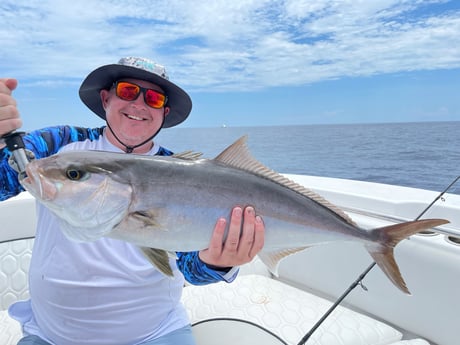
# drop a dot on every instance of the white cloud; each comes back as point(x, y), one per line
point(221, 44)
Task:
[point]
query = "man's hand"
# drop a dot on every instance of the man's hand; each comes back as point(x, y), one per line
point(9, 114)
point(245, 239)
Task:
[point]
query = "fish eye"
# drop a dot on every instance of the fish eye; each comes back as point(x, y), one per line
point(75, 174)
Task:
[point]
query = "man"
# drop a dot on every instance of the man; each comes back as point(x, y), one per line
point(106, 292)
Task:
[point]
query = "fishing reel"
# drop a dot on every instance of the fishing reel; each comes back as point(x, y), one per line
point(20, 155)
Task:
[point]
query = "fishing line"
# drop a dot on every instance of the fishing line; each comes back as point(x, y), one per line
point(360, 278)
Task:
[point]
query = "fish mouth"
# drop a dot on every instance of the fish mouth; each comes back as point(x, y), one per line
point(37, 185)
point(28, 182)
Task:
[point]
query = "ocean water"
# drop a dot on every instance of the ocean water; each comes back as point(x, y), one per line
point(422, 155)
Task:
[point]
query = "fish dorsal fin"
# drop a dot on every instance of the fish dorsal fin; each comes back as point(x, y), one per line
point(238, 156)
point(188, 155)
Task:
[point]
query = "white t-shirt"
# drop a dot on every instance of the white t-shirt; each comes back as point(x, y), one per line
point(103, 292)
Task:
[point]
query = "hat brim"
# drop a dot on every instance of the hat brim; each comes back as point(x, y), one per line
point(103, 77)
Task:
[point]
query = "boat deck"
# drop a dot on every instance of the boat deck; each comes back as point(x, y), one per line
point(289, 305)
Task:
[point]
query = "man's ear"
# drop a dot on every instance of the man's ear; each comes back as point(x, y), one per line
point(167, 110)
point(104, 97)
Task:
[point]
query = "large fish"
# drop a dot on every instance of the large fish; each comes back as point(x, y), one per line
point(172, 203)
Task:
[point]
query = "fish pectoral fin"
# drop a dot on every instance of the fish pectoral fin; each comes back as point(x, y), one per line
point(272, 259)
point(389, 237)
point(146, 217)
point(159, 258)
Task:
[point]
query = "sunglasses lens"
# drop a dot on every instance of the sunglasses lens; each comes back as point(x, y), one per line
point(154, 99)
point(127, 91)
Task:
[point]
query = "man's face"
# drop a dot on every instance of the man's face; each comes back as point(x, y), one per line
point(132, 121)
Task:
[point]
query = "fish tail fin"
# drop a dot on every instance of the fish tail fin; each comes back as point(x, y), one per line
point(389, 236)
point(159, 259)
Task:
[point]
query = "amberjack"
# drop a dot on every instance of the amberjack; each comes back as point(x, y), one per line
point(169, 204)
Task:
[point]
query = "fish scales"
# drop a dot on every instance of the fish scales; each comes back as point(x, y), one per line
point(190, 197)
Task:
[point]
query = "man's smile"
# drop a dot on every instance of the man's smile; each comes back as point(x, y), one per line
point(133, 117)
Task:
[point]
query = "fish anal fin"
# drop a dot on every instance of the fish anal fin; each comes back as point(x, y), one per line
point(159, 258)
point(388, 238)
point(271, 259)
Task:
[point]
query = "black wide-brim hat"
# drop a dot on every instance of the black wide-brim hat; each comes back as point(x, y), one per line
point(103, 77)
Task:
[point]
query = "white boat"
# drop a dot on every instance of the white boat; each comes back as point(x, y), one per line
point(261, 309)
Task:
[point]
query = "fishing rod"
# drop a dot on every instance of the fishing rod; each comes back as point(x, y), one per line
point(360, 278)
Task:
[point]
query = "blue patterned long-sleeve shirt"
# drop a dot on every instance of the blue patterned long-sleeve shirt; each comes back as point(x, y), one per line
point(45, 142)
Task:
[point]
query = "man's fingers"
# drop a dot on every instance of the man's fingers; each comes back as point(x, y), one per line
point(234, 230)
point(9, 114)
point(247, 236)
point(215, 246)
point(9, 84)
point(259, 237)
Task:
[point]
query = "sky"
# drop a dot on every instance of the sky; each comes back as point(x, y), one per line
point(243, 62)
